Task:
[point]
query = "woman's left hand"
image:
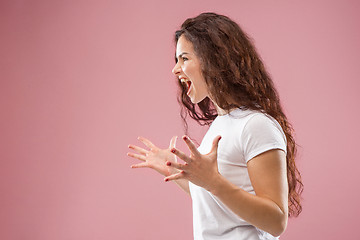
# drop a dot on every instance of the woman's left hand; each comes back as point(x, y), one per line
point(202, 170)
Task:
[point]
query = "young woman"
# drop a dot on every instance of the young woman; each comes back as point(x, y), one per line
point(245, 185)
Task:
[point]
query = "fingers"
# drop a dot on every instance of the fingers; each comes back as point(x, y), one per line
point(137, 156)
point(181, 155)
point(177, 165)
point(147, 142)
point(138, 149)
point(173, 142)
point(140, 165)
point(175, 176)
point(215, 144)
point(191, 146)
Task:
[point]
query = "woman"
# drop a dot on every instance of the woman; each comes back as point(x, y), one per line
point(245, 185)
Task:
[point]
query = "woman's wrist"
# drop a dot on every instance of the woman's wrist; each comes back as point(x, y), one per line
point(216, 184)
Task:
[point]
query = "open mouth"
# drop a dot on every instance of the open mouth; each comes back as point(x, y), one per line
point(186, 83)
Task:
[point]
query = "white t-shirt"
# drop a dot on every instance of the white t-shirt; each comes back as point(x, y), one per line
point(245, 134)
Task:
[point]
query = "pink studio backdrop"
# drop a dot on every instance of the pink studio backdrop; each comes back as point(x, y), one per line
point(80, 80)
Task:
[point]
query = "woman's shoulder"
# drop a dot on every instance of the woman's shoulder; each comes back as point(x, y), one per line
point(240, 120)
point(261, 125)
point(258, 120)
point(251, 115)
point(245, 114)
point(253, 122)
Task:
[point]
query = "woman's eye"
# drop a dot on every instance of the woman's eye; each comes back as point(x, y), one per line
point(185, 59)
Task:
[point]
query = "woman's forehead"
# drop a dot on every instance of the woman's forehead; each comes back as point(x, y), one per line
point(184, 45)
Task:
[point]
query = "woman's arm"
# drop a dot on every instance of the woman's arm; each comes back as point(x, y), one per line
point(156, 159)
point(183, 184)
point(267, 210)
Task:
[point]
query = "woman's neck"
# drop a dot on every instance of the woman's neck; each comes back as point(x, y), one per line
point(221, 111)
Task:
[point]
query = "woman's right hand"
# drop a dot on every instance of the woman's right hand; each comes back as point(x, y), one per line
point(155, 157)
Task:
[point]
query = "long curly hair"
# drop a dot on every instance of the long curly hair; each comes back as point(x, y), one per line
point(236, 78)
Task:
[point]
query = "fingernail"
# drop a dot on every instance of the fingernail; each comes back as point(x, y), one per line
point(166, 179)
point(168, 163)
point(173, 150)
point(219, 137)
point(185, 138)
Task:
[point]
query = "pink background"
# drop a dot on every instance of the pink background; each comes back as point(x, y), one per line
point(80, 80)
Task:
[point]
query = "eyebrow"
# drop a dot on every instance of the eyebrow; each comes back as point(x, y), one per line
point(180, 55)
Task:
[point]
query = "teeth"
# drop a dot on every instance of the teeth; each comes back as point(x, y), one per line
point(186, 83)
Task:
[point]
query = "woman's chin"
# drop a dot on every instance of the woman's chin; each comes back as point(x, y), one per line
point(195, 100)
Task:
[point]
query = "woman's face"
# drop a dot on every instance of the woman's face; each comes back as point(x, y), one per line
point(188, 71)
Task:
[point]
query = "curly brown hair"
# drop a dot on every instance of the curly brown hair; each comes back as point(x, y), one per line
point(236, 78)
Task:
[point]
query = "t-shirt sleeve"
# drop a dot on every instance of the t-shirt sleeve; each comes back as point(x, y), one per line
point(261, 133)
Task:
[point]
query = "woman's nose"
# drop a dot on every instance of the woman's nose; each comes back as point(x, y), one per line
point(176, 69)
